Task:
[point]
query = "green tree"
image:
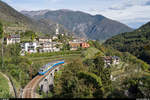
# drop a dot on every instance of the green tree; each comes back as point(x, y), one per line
point(104, 72)
point(33, 37)
point(1, 31)
point(66, 47)
point(133, 84)
point(15, 49)
point(99, 64)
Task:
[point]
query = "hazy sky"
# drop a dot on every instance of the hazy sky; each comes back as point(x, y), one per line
point(131, 12)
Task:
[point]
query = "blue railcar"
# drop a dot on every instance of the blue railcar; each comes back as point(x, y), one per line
point(49, 66)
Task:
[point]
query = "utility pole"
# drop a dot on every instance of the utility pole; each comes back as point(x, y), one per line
point(2, 53)
point(31, 71)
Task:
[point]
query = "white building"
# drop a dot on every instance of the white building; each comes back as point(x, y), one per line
point(54, 37)
point(45, 47)
point(12, 39)
point(29, 47)
point(48, 47)
point(116, 60)
point(56, 49)
point(111, 60)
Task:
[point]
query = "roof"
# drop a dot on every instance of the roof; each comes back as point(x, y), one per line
point(116, 57)
point(14, 36)
point(75, 42)
point(50, 64)
point(108, 58)
point(43, 38)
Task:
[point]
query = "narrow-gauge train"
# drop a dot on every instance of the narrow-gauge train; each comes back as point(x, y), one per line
point(49, 66)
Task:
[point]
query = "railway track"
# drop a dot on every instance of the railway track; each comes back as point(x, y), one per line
point(29, 90)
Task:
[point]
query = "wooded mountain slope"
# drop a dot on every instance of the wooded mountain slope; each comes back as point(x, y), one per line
point(14, 21)
point(136, 42)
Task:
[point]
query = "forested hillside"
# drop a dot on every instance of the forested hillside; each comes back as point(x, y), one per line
point(136, 42)
point(15, 21)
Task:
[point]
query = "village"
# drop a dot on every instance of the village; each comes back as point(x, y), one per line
point(45, 44)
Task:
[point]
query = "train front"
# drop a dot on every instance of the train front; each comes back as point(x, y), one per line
point(50, 65)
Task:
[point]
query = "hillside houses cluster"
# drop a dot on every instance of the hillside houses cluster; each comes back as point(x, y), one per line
point(111, 60)
point(44, 44)
point(41, 44)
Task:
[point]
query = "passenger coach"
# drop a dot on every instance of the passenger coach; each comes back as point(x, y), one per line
point(50, 66)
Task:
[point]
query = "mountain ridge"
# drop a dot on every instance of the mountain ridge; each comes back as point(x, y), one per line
point(14, 21)
point(95, 27)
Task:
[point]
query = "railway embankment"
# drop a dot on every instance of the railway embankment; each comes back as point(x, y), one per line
point(6, 85)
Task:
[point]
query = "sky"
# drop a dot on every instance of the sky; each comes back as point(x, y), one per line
point(134, 13)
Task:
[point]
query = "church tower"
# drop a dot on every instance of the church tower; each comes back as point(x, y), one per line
point(57, 29)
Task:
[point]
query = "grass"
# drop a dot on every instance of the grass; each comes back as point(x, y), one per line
point(39, 59)
point(25, 39)
point(52, 57)
point(4, 87)
point(146, 73)
point(90, 52)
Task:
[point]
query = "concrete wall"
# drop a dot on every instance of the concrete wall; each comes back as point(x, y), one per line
point(47, 83)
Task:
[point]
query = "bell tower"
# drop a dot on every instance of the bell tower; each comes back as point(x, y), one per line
point(57, 29)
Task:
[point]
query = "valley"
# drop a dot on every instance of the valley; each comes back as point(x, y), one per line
point(66, 53)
